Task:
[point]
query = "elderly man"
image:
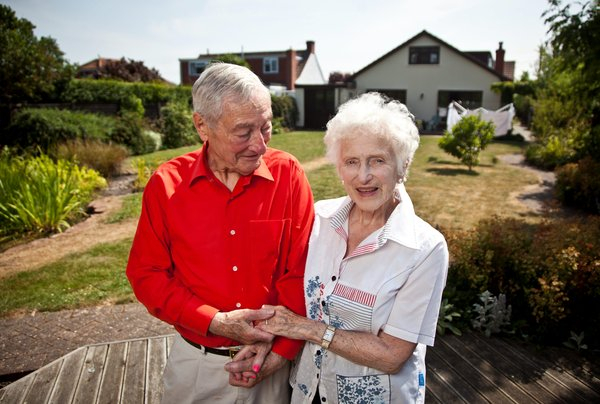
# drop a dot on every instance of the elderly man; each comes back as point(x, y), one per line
point(224, 230)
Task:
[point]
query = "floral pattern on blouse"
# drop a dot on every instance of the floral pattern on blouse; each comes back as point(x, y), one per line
point(363, 389)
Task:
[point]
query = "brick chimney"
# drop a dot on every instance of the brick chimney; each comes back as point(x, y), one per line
point(310, 47)
point(499, 67)
point(292, 70)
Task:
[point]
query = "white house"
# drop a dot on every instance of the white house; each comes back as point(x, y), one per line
point(426, 74)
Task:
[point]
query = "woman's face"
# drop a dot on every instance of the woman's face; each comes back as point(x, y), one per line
point(368, 169)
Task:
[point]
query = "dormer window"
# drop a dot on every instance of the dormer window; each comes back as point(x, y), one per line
point(424, 55)
point(270, 65)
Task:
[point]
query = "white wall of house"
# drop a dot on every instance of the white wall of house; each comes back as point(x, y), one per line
point(423, 81)
point(298, 94)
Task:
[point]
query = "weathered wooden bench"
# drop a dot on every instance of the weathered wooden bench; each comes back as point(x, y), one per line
point(467, 369)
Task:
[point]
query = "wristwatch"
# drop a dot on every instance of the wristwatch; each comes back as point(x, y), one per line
point(328, 336)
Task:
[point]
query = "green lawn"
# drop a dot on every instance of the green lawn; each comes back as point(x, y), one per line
point(444, 192)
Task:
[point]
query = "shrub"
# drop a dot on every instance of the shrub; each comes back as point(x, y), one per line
point(284, 107)
point(44, 128)
point(578, 184)
point(177, 126)
point(129, 132)
point(467, 139)
point(113, 91)
point(40, 195)
point(102, 157)
point(549, 273)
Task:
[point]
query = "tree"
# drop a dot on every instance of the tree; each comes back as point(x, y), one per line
point(467, 139)
point(572, 68)
point(339, 77)
point(31, 69)
point(233, 59)
point(129, 70)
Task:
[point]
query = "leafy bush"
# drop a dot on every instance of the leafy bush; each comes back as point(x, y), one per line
point(467, 139)
point(102, 157)
point(40, 195)
point(44, 128)
point(177, 126)
point(550, 155)
point(284, 107)
point(129, 132)
point(548, 272)
point(578, 184)
point(112, 91)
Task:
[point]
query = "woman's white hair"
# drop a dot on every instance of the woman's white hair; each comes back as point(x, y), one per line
point(221, 81)
point(372, 114)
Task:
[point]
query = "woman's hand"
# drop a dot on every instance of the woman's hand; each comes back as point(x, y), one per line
point(285, 323)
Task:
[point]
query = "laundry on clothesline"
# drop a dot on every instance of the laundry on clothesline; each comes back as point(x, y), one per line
point(502, 118)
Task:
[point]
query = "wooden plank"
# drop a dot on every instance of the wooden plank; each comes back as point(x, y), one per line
point(155, 365)
point(474, 374)
point(45, 379)
point(457, 389)
point(89, 379)
point(436, 386)
point(515, 367)
point(68, 375)
point(491, 365)
point(111, 384)
point(134, 380)
point(565, 386)
point(15, 392)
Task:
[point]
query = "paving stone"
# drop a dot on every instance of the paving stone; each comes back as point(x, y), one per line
point(32, 341)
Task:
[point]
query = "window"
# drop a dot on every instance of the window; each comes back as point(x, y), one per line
point(398, 95)
point(270, 65)
point(196, 68)
point(424, 55)
point(468, 99)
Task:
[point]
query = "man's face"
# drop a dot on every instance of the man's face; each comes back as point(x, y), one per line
point(240, 137)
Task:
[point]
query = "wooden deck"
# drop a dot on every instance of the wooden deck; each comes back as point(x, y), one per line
point(467, 369)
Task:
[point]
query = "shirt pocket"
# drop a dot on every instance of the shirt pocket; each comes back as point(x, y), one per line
point(354, 389)
point(265, 244)
point(351, 308)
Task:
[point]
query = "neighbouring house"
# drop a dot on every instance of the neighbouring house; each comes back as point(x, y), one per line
point(279, 70)
point(91, 69)
point(426, 74)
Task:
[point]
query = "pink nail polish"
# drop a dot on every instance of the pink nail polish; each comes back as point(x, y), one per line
point(256, 368)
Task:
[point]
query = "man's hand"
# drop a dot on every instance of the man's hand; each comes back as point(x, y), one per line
point(253, 364)
point(238, 325)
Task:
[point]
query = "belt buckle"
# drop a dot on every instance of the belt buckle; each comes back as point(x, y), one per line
point(233, 352)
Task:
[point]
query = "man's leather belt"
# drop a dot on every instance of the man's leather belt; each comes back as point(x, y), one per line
point(223, 352)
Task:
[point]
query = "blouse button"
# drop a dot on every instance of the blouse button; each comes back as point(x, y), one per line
point(333, 278)
point(235, 268)
point(318, 352)
point(323, 303)
point(232, 232)
point(238, 305)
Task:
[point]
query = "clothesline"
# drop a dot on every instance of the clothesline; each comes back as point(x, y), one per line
point(502, 118)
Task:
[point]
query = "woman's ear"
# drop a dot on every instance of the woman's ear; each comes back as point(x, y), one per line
point(201, 126)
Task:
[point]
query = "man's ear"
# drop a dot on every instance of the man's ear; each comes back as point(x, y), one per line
point(201, 126)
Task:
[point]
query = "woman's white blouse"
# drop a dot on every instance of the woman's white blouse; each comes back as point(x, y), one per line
point(393, 282)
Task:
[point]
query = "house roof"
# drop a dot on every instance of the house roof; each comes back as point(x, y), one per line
point(310, 72)
point(465, 55)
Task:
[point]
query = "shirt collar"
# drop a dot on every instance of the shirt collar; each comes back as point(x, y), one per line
point(400, 226)
point(201, 168)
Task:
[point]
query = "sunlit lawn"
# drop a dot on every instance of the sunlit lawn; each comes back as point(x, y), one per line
point(444, 192)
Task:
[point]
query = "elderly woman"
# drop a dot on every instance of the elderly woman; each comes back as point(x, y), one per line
point(375, 271)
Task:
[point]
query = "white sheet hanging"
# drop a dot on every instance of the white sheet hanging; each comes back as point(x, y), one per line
point(502, 118)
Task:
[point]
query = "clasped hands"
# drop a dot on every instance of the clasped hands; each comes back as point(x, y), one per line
point(256, 329)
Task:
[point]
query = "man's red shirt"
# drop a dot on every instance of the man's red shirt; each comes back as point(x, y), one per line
point(201, 248)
